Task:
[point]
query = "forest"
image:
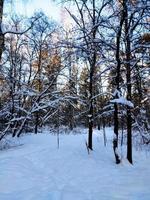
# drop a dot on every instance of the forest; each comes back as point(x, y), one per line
point(90, 71)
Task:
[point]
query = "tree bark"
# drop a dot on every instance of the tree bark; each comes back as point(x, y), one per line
point(117, 82)
point(128, 77)
point(1, 32)
point(92, 70)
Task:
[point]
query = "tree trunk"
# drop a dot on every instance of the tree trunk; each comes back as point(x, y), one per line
point(39, 87)
point(115, 140)
point(90, 144)
point(128, 77)
point(92, 62)
point(1, 33)
point(36, 123)
point(117, 82)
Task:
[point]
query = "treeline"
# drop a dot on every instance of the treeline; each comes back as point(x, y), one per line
point(93, 73)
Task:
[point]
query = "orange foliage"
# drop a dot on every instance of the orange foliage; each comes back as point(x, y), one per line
point(145, 38)
point(2, 80)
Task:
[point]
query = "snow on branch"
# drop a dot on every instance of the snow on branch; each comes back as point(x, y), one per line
point(122, 101)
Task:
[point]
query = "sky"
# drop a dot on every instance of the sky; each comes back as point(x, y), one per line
point(28, 7)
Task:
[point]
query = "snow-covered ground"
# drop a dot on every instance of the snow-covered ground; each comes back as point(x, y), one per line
point(38, 170)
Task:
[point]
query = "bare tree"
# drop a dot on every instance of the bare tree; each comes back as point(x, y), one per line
point(88, 21)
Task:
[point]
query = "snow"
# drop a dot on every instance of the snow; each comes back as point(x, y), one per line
point(117, 93)
point(123, 101)
point(37, 169)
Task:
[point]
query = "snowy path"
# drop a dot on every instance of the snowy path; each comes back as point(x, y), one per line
point(38, 170)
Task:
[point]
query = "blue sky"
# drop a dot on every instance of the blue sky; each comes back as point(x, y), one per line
point(28, 7)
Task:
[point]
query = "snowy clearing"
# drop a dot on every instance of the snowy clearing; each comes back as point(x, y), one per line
point(38, 170)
